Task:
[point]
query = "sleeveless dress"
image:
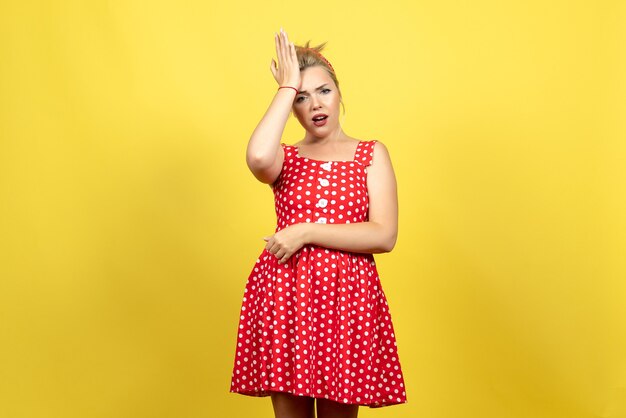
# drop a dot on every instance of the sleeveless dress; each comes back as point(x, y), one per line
point(319, 324)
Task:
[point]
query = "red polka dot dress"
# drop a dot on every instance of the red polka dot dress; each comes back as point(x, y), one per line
point(319, 324)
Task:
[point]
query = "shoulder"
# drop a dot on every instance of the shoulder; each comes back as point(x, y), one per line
point(376, 144)
point(379, 151)
point(287, 149)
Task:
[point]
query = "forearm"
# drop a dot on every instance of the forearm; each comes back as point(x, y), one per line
point(360, 237)
point(265, 139)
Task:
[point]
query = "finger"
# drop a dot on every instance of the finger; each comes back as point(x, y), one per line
point(286, 54)
point(273, 247)
point(281, 42)
point(287, 46)
point(277, 43)
point(294, 56)
point(285, 258)
point(280, 253)
point(279, 37)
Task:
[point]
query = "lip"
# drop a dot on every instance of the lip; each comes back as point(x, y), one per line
point(319, 114)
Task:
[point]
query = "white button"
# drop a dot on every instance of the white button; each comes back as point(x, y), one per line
point(324, 182)
point(326, 166)
point(322, 203)
point(321, 221)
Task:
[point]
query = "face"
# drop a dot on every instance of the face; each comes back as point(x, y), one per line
point(318, 94)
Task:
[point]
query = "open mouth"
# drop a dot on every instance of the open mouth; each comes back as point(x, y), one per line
point(320, 120)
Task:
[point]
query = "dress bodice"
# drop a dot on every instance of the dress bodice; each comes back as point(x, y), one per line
point(309, 190)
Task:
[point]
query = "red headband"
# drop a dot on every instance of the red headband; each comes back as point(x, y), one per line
point(322, 57)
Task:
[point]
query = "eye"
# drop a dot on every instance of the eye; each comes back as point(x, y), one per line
point(298, 99)
point(325, 90)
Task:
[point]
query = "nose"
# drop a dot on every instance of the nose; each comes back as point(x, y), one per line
point(315, 102)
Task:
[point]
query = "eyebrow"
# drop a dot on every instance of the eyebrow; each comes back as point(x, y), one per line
point(320, 87)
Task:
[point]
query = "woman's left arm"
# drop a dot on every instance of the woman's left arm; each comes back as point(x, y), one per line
point(377, 235)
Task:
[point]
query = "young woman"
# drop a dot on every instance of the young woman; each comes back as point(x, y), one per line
point(315, 330)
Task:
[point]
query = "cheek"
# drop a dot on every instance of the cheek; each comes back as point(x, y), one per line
point(299, 116)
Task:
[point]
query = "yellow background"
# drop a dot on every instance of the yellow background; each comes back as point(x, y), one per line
point(129, 221)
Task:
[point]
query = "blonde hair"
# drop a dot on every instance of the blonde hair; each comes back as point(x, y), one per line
point(311, 56)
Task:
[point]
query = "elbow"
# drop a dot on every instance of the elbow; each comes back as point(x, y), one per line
point(258, 157)
point(264, 171)
point(388, 246)
point(389, 243)
point(265, 162)
point(258, 161)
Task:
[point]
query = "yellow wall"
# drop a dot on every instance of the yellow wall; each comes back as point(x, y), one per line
point(129, 220)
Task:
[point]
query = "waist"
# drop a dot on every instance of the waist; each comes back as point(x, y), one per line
point(320, 220)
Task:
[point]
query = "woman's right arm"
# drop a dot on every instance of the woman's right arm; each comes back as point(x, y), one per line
point(264, 154)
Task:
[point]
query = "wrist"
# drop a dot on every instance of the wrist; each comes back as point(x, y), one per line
point(289, 87)
point(307, 232)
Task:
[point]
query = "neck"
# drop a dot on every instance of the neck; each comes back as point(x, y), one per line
point(333, 136)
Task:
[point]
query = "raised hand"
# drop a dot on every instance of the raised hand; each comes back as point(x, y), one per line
point(287, 71)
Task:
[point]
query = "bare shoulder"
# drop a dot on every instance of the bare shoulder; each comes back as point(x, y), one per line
point(380, 153)
point(381, 171)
